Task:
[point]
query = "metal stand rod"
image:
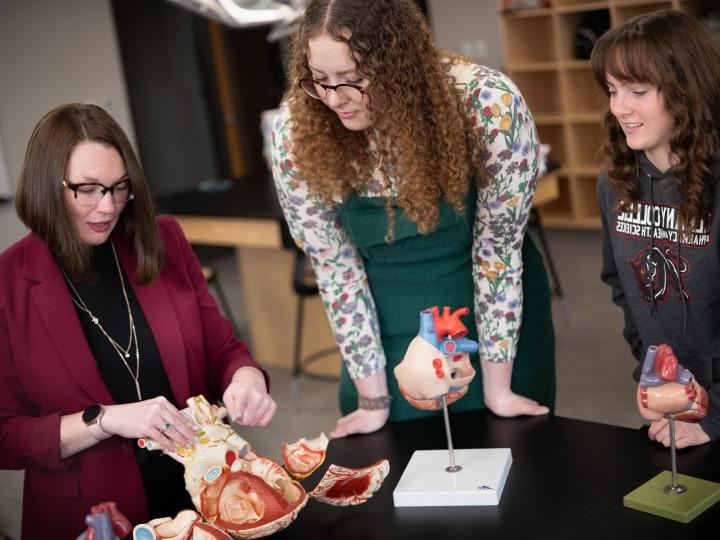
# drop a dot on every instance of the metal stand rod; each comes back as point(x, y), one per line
point(446, 417)
point(674, 488)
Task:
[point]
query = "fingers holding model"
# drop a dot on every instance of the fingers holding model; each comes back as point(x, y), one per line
point(156, 418)
point(247, 400)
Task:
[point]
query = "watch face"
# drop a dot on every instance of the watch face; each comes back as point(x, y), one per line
point(91, 413)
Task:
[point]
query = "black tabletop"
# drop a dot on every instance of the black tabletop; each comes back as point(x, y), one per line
point(250, 197)
point(567, 481)
point(253, 196)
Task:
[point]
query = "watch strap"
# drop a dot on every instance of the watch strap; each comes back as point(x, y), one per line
point(374, 403)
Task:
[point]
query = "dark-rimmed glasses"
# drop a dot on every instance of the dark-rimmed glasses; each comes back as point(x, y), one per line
point(318, 90)
point(90, 193)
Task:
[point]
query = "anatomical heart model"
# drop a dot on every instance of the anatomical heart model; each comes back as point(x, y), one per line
point(437, 362)
point(240, 493)
point(436, 370)
point(668, 390)
point(434, 373)
point(105, 522)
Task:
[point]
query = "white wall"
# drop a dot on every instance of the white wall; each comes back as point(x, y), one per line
point(469, 27)
point(54, 52)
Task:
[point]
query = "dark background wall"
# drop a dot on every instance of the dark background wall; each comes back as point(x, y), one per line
point(196, 91)
point(161, 49)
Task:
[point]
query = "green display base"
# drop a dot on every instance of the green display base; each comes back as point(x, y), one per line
point(650, 498)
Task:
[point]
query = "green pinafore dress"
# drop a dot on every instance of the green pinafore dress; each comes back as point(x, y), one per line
point(418, 271)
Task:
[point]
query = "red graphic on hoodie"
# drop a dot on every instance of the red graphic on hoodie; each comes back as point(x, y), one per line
point(658, 270)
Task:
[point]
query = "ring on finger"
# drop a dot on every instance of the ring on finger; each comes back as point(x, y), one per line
point(165, 427)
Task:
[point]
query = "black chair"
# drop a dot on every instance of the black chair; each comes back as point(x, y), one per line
point(210, 273)
point(303, 283)
point(535, 224)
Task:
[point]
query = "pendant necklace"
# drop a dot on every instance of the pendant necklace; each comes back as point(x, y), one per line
point(122, 352)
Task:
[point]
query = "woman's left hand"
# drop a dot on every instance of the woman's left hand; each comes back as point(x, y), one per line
point(507, 403)
point(499, 398)
point(247, 400)
point(686, 433)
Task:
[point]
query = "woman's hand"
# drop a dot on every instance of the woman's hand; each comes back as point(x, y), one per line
point(365, 420)
point(686, 433)
point(498, 396)
point(247, 400)
point(360, 421)
point(155, 419)
point(508, 403)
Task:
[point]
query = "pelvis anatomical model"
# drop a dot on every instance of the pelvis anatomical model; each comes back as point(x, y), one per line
point(668, 389)
point(247, 495)
point(437, 362)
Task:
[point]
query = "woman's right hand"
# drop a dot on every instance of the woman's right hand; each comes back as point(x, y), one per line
point(360, 421)
point(150, 419)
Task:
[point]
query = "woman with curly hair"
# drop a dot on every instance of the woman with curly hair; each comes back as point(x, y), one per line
point(661, 72)
point(407, 176)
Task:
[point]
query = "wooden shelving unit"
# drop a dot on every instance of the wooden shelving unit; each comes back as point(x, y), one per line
point(567, 105)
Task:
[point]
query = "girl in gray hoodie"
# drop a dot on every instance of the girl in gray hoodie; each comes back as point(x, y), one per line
point(658, 196)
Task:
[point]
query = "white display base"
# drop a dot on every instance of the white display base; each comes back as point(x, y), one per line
point(480, 482)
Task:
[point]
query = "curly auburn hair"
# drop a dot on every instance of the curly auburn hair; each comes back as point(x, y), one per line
point(672, 51)
point(418, 125)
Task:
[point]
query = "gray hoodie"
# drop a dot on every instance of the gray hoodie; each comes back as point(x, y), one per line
point(667, 285)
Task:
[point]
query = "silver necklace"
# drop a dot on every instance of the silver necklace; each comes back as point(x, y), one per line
point(123, 352)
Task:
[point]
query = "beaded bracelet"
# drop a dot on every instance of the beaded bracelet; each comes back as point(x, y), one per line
point(374, 404)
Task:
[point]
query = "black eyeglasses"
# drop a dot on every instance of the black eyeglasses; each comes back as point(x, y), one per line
point(318, 90)
point(90, 193)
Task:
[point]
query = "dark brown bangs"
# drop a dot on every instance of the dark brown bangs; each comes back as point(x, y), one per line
point(626, 57)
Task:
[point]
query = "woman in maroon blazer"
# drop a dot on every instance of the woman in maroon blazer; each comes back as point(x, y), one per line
point(106, 328)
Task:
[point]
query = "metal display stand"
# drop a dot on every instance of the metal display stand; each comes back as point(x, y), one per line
point(666, 497)
point(474, 477)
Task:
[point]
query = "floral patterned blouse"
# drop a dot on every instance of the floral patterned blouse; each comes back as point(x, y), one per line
point(497, 107)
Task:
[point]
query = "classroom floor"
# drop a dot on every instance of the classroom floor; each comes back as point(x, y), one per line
point(594, 364)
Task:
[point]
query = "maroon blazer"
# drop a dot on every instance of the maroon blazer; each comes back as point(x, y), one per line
point(47, 370)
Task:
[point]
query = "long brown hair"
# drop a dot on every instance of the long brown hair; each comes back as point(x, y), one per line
point(672, 51)
point(419, 128)
point(40, 202)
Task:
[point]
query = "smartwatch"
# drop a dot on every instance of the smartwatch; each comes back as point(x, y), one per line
point(92, 416)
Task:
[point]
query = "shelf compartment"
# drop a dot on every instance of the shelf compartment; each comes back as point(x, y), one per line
point(586, 171)
point(698, 8)
point(586, 118)
point(569, 23)
point(552, 134)
point(624, 13)
point(583, 94)
point(585, 141)
point(524, 12)
point(531, 67)
point(584, 198)
point(529, 40)
point(576, 64)
point(545, 119)
point(541, 90)
point(561, 207)
point(548, 190)
point(568, 6)
point(623, 3)
point(576, 3)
